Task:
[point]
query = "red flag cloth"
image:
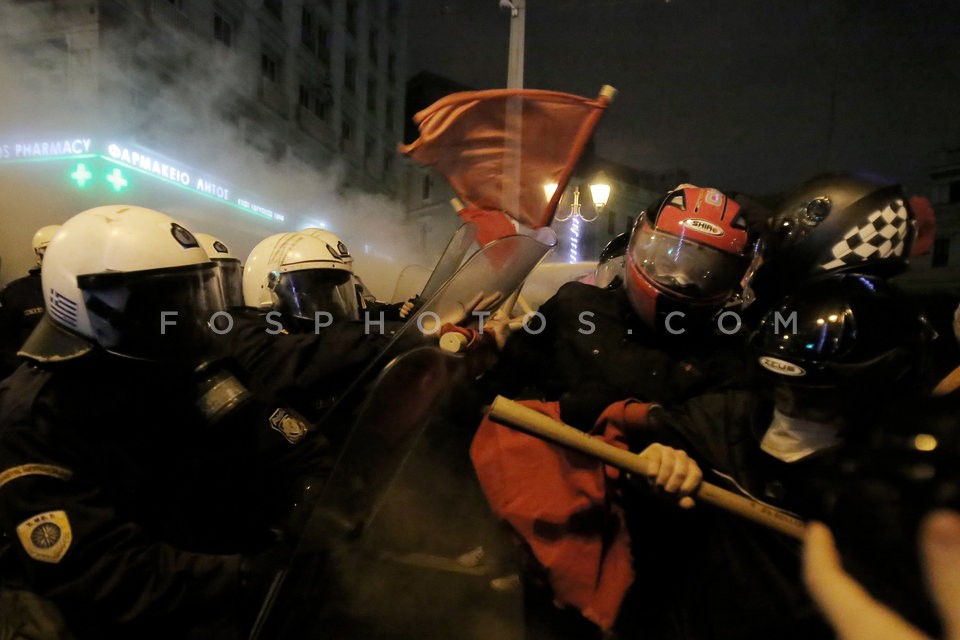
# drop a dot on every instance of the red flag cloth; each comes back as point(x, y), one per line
point(562, 503)
point(926, 226)
point(491, 225)
point(499, 148)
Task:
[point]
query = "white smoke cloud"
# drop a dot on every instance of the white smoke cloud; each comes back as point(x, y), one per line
point(168, 91)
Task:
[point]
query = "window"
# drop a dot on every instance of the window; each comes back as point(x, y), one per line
point(346, 131)
point(177, 4)
point(372, 95)
point(307, 38)
point(389, 115)
point(352, 12)
point(954, 191)
point(391, 67)
point(393, 15)
point(941, 252)
point(350, 72)
point(374, 37)
point(269, 66)
point(274, 6)
point(314, 98)
point(426, 187)
point(323, 43)
point(222, 30)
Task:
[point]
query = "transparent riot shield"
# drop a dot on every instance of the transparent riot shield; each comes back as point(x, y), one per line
point(378, 555)
point(338, 568)
point(500, 266)
point(451, 259)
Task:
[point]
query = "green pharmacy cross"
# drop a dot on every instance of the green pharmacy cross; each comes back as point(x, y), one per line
point(117, 180)
point(81, 175)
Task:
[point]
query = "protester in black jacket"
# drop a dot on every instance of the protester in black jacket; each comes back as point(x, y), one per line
point(854, 345)
point(658, 337)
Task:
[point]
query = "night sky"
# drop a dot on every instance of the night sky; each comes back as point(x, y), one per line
point(746, 95)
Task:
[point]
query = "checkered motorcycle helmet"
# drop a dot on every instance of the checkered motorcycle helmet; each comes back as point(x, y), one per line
point(842, 330)
point(828, 224)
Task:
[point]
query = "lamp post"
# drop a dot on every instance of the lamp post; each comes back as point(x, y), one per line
point(599, 192)
point(518, 17)
point(599, 189)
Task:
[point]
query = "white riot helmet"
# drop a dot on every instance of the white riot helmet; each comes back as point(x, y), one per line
point(41, 239)
point(300, 274)
point(229, 271)
point(332, 240)
point(130, 279)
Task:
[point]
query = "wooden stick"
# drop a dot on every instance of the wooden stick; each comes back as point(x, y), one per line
point(524, 305)
point(517, 416)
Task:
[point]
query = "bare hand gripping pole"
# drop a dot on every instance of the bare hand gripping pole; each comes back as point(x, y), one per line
point(517, 416)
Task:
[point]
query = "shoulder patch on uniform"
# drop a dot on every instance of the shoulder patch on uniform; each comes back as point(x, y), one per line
point(22, 470)
point(292, 427)
point(46, 537)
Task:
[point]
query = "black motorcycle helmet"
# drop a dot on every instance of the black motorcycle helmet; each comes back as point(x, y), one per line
point(831, 223)
point(609, 271)
point(875, 495)
point(840, 340)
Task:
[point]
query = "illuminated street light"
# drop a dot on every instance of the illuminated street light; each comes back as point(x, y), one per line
point(599, 193)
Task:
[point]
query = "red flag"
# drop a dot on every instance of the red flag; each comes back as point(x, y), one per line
point(491, 225)
point(561, 503)
point(499, 148)
point(926, 226)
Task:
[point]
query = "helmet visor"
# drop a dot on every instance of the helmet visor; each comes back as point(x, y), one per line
point(231, 282)
point(160, 315)
point(305, 293)
point(609, 274)
point(685, 268)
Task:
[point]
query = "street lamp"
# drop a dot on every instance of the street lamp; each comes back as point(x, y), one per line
point(599, 193)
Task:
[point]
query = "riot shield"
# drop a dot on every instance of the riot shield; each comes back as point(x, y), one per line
point(381, 423)
point(451, 259)
point(377, 556)
point(500, 266)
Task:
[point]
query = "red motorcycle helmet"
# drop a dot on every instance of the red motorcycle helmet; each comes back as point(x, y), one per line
point(688, 252)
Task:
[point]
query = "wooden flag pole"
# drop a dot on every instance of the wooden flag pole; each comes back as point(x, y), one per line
point(533, 422)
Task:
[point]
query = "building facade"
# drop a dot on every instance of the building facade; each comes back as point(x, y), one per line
point(312, 80)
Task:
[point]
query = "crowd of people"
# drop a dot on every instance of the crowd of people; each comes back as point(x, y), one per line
point(165, 421)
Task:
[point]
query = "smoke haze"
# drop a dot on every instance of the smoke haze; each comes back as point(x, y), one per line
point(68, 72)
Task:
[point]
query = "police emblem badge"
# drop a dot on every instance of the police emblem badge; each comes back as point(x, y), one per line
point(46, 537)
point(292, 427)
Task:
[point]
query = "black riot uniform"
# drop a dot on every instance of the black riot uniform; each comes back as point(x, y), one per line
point(311, 369)
point(590, 348)
point(21, 307)
point(133, 511)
